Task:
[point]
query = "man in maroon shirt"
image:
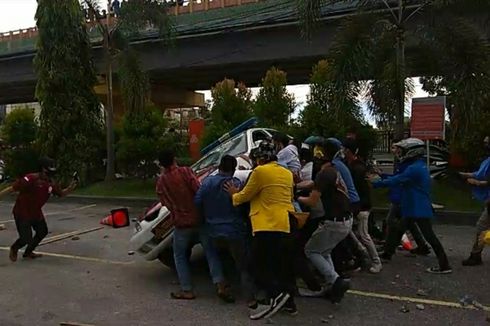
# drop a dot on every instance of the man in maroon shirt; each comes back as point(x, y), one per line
point(33, 190)
point(176, 188)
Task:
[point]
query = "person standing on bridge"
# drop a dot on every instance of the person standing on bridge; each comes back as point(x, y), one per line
point(34, 190)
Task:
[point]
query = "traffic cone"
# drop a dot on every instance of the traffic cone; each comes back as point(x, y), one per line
point(107, 220)
point(120, 217)
point(406, 243)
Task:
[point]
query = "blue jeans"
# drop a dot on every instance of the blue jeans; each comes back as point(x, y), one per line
point(183, 239)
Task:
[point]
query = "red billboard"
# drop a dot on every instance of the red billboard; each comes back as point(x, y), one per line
point(428, 116)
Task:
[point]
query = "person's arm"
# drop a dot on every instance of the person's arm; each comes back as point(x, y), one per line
point(305, 185)
point(193, 181)
point(64, 192)
point(198, 198)
point(395, 180)
point(322, 181)
point(477, 183)
point(312, 199)
point(247, 193)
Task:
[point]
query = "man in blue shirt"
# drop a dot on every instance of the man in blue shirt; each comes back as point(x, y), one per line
point(224, 222)
point(481, 182)
point(416, 203)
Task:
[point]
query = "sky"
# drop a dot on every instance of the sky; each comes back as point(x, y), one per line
point(19, 14)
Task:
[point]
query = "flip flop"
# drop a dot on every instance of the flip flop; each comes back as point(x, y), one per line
point(182, 295)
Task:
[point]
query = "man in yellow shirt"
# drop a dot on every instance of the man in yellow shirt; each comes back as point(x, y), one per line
point(270, 193)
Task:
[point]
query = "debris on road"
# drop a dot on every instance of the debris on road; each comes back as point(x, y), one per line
point(420, 307)
point(75, 238)
point(72, 323)
point(397, 276)
point(466, 300)
point(106, 236)
point(477, 305)
point(422, 293)
point(130, 252)
point(3, 227)
point(404, 309)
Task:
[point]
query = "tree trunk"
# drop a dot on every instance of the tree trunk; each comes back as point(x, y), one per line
point(400, 58)
point(110, 163)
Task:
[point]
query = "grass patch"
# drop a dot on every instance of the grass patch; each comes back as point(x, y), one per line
point(120, 188)
point(452, 194)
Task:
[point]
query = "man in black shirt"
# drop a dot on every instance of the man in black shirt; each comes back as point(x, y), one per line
point(359, 174)
point(335, 225)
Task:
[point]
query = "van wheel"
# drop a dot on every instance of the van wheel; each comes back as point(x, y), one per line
point(166, 257)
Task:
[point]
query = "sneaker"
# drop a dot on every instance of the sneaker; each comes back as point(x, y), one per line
point(438, 270)
point(421, 251)
point(32, 255)
point(473, 260)
point(376, 268)
point(259, 311)
point(276, 304)
point(13, 254)
point(338, 290)
point(307, 293)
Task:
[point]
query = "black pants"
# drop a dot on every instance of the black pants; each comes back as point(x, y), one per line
point(425, 226)
point(301, 263)
point(395, 222)
point(24, 228)
point(238, 251)
point(272, 254)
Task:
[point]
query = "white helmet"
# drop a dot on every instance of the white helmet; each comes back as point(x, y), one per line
point(411, 148)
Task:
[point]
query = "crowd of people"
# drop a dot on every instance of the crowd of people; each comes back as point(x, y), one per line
point(302, 214)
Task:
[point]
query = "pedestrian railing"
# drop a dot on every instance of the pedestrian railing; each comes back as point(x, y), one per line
point(188, 7)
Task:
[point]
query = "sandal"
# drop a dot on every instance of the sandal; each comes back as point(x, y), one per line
point(182, 295)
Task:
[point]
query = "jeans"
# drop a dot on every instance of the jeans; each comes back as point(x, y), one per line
point(482, 225)
point(238, 250)
point(322, 242)
point(183, 239)
point(395, 222)
point(273, 264)
point(425, 226)
point(24, 228)
point(363, 239)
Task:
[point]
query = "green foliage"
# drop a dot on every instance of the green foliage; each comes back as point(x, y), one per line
point(135, 84)
point(274, 105)
point(20, 128)
point(232, 105)
point(19, 133)
point(142, 138)
point(70, 119)
point(329, 116)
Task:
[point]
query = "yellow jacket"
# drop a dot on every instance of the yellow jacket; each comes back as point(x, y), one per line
point(270, 192)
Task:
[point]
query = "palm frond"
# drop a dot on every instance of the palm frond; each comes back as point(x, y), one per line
point(134, 82)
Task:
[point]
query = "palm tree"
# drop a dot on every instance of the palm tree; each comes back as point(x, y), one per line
point(116, 35)
point(372, 45)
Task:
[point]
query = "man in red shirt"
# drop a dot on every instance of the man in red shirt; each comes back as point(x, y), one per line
point(33, 190)
point(176, 188)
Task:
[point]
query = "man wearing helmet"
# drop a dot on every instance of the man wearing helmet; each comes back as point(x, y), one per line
point(269, 190)
point(33, 190)
point(416, 203)
point(481, 182)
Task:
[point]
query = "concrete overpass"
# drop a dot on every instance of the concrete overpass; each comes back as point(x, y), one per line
point(239, 42)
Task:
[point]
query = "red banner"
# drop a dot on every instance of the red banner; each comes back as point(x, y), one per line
point(196, 130)
point(428, 117)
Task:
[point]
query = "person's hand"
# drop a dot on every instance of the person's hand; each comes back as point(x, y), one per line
point(230, 188)
point(473, 182)
point(465, 174)
point(373, 177)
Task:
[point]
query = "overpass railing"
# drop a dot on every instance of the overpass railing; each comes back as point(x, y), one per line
point(180, 8)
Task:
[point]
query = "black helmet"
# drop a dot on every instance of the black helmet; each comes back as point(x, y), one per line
point(47, 163)
point(266, 151)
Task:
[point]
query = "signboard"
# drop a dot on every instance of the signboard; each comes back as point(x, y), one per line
point(196, 130)
point(428, 117)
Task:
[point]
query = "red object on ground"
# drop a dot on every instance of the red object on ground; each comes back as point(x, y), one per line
point(428, 117)
point(118, 218)
point(196, 131)
point(406, 243)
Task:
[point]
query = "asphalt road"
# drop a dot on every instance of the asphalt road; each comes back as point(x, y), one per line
point(94, 281)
